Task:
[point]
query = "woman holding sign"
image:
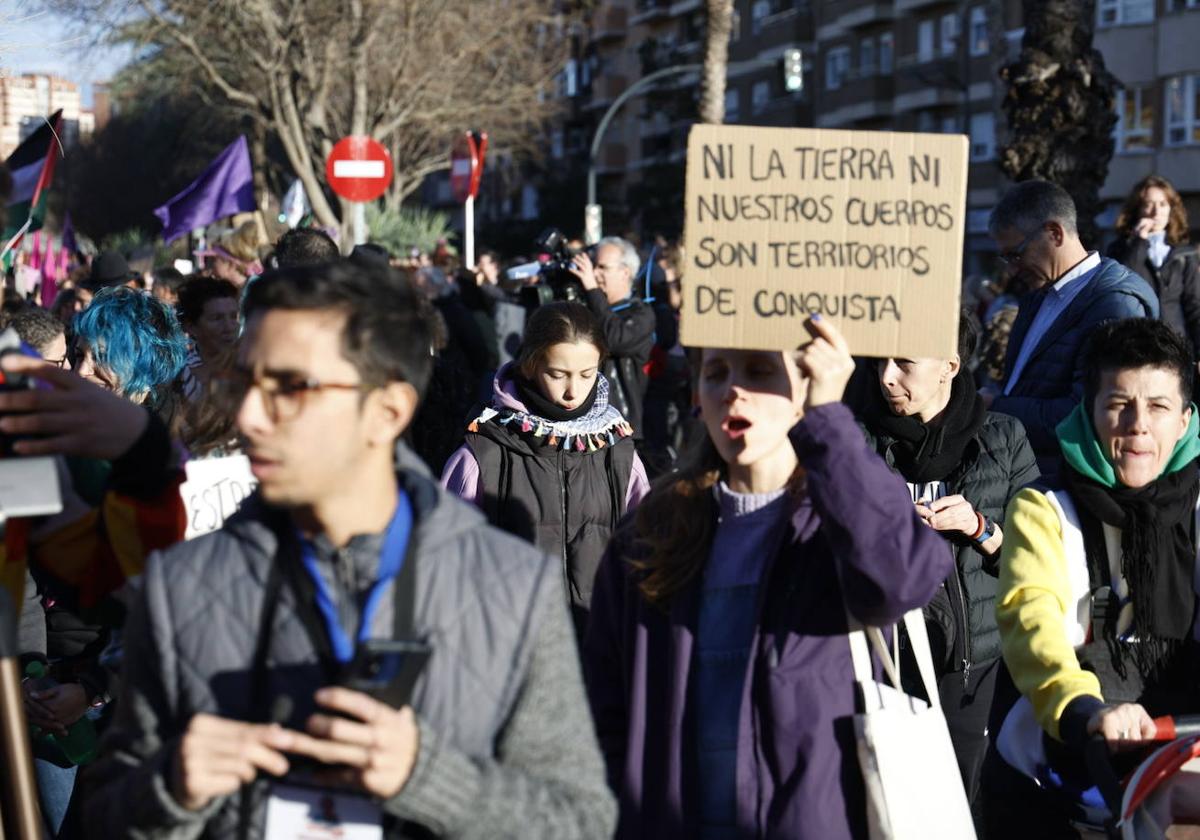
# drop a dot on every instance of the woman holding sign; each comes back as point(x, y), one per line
point(717, 661)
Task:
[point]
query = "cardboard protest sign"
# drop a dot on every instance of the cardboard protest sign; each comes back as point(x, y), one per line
point(214, 489)
point(864, 227)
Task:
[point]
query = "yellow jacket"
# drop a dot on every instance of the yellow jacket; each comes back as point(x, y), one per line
point(1043, 605)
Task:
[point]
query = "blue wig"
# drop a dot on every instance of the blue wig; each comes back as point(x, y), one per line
point(134, 336)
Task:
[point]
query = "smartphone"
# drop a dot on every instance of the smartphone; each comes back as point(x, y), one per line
point(387, 670)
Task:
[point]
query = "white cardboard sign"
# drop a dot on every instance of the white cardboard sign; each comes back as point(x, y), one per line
point(214, 489)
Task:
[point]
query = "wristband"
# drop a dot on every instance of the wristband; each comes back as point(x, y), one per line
point(982, 527)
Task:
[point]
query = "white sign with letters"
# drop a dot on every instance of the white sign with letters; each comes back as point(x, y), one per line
point(214, 489)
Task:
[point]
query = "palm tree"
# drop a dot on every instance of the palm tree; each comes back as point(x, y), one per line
point(716, 60)
point(1059, 106)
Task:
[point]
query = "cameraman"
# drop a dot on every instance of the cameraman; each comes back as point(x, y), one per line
point(628, 322)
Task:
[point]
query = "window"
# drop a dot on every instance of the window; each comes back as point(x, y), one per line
point(950, 125)
point(758, 13)
point(983, 136)
point(837, 65)
point(760, 95)
point(1183, 117)
point(925, 122)
point(887, 53)
point(1135, 119)
point(949, 34)
point(925, 41)
point(556, 145)
point(570, 82)
point(1121, 12)
point(1180, 5)
point(866, 57)
point(979, 32)
point(736, 30)
point(731, 106)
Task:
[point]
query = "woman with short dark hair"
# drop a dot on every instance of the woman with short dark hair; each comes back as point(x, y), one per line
point(1097, 595)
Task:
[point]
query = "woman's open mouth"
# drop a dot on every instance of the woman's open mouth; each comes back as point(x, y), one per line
point(735, 427)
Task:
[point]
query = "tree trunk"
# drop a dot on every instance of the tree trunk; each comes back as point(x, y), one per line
point(1059, 106)
point(716, 60)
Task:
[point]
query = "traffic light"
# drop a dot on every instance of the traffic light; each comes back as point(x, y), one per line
point(793, 70)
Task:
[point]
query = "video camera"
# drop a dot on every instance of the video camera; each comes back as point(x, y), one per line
point(552, 269)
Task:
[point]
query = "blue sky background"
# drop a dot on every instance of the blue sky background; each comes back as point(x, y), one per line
point(39, 42)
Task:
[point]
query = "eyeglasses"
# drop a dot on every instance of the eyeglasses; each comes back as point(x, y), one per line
point(1013, 257)
point(283, 399)
point(59, 362)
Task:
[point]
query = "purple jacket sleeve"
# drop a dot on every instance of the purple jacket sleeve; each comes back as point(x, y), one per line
point(461, 476)
point(889, 562)
point(639, 485)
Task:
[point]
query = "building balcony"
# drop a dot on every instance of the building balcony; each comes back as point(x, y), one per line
point(685, 7)
point(609, 24)
point(649, 11)
point(915, 5)
point(855, 15)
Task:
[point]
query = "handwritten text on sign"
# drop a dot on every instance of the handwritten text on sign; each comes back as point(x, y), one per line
point(863, 227)
point(214, 489)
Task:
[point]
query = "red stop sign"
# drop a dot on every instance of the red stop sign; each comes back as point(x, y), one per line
point(466, 164)
point(359, 169)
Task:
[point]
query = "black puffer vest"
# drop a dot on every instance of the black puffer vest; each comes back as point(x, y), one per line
point(565, 501)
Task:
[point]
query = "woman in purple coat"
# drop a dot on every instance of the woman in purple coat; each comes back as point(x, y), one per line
point(716, 659)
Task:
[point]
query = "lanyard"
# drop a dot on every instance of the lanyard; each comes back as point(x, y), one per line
point(391, 560)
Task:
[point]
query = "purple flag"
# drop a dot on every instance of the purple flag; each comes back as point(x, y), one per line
point(224, 188)
point(68, 234)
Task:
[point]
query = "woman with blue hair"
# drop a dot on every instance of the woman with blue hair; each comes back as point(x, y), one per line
point(132, 344)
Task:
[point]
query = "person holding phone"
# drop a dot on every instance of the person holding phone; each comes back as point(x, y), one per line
point(1152, 233)
point(248, 650)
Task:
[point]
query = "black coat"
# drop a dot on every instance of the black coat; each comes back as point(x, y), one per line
point(629, 332)
point(996, 464)
point(564, 501)
point(1177, 282)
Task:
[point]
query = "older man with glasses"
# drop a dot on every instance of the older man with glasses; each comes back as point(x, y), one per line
point(1074, 291)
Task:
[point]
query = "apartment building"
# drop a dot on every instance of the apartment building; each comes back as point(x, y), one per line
point(27, 99)
point(907, 65)
point(1151, 47)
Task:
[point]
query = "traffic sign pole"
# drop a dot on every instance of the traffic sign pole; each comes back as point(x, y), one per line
point(469, 230)
point(466, 168)
point(360, 223)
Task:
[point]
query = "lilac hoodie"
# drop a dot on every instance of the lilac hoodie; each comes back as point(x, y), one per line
point(856, 541)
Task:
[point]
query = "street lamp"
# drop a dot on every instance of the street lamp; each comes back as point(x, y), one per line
point(793, 80)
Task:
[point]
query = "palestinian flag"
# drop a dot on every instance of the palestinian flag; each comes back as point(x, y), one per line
point(32, 167)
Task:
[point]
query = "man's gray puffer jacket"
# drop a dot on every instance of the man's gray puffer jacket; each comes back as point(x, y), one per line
point(507, 746)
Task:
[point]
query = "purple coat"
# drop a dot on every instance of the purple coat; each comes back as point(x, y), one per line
point(854, 540)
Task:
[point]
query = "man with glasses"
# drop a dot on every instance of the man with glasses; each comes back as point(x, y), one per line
point(40, 330)
point(627, 320)
point(235, 717)
point(1074, 290)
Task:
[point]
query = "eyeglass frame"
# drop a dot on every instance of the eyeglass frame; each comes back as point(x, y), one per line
point(1013, 257)
point(301, 386)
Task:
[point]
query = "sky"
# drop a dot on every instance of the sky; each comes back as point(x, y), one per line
point(39, 42)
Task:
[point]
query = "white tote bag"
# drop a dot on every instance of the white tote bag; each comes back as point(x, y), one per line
point(914, 789)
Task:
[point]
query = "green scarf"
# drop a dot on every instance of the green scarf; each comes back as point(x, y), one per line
point(1081, 448)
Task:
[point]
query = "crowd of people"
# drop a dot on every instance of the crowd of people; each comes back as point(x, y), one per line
point(523, 566)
